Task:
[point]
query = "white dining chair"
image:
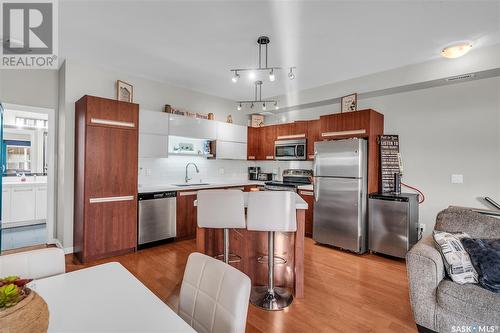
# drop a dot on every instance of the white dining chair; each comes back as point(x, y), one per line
point(222, 209)
point(35, 264)
point(214, 296)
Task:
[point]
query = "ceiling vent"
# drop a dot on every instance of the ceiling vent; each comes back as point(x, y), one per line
point(460, 77)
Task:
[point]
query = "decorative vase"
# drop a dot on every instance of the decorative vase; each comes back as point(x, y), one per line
point(31, 315)
point(211, 116)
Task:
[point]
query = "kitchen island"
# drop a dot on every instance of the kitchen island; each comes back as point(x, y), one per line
point(252, 245)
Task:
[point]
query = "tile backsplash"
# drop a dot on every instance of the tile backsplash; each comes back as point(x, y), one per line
point(172, 170)
point(159, 171)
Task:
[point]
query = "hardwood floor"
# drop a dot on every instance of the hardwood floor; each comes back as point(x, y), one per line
point(343, 292)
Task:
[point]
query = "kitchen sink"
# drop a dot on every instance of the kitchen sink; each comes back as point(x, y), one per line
point(193, 184)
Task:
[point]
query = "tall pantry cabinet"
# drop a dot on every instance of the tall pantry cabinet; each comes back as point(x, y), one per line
point(106, 157)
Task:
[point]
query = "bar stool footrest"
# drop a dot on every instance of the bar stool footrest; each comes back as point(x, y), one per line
point(277, 260)
point(233, 258)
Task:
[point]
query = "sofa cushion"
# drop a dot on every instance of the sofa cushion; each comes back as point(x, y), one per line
point(485, 256)
point(477, 225)
point(456, 259)
point(469, 300)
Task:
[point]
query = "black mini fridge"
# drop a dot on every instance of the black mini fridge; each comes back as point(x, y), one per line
point(392, 223)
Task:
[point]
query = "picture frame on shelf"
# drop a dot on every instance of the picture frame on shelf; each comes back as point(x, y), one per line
point(257, 120)
point(124, 91)
point(349, 103)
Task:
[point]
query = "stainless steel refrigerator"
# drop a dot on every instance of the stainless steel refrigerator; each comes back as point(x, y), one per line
point(340, 198)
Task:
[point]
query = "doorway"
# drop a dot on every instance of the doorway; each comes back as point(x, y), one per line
point(27, 159)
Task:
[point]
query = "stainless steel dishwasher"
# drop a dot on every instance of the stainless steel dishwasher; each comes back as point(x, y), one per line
point(157, 217)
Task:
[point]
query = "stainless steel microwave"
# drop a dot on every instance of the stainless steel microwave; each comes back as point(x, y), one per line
point(290, 150)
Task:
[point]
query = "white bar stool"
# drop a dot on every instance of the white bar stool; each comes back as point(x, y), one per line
point(222, 209)
point(271, 211)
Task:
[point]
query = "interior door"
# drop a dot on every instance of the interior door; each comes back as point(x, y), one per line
point(337, 212)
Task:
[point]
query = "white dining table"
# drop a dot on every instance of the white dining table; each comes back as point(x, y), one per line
point(105, 298)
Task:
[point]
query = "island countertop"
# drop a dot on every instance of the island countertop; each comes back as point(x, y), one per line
point(299, 202)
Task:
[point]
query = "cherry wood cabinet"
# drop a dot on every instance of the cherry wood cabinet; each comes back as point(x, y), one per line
point(313, 135)
point(186, 220)
point(308, 197)
point(266, 144)
point(105, 208)
point(295, 130)
point(253, 142)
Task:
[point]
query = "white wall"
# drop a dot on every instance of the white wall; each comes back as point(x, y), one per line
point(446, 130)
point(34, 87)
point(78, 79)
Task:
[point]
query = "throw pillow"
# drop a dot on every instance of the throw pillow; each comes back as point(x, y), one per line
point(456, 259)
point(485, 256)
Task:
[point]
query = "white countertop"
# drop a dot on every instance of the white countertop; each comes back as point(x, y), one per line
point(105, 298)
point(299, 202)
point(28, 182)
point(216, 184)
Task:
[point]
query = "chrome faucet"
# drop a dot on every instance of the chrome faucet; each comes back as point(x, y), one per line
point(187, 179)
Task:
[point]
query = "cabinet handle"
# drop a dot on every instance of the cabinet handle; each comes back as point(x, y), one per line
point(269, 157)
point(293, 136)
point(112, 122)
point(251, 157)
point(306, 193)
point(311, 157)
point(340, 133)
point(111, 199)
point(24, 190)
point(183, 194)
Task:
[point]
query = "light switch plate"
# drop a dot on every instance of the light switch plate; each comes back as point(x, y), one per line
point(457, 179)
point(148, 172)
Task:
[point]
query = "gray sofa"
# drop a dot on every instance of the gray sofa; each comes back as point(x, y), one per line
point(438, 303)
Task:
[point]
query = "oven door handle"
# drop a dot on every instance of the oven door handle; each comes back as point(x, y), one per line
point(296, 151)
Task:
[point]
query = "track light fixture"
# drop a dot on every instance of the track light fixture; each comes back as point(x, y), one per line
point(258, 99)
point(252, 72)
point(235, 77)
point(271, 76)
point(239, 107)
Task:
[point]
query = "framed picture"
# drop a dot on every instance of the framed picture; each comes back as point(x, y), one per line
point(124, 91)
point(349, 103)
point(257, 120)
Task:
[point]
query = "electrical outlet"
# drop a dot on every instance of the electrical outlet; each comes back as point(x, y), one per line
point(148, 172)
point(457, 179)
point(221, 171)
point(421, 227)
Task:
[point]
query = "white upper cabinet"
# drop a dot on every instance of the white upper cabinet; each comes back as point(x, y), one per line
point(231, 132)
point(153, 122)
point(226, 150)
point(153, 134)
point(153, 145)
point(192, 127)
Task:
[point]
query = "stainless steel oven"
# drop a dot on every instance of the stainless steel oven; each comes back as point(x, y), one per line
point(290, 150)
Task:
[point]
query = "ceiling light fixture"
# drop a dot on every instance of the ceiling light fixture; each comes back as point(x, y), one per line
point(291, 76)
point(258, 99)
point(235, 77)
point(271, 76)
point(262, 41)
point(456, 50)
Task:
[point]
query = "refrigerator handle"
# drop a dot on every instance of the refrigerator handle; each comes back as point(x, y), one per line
point(315, 188)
